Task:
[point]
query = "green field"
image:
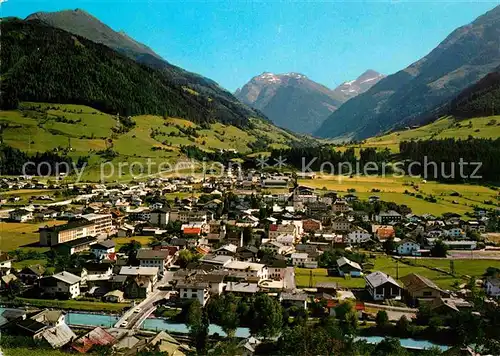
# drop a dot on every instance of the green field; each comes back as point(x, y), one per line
point(14, 235)
point(25, 351)
point(446, 127)
point(392, 189)
point(389, 266)
point(120, 241)
point(27, 263)
point(467, 267)
point(75, 305)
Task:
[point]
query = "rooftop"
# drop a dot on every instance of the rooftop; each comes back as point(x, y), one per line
point(144, 254)
point(66, 277)
point(138, 271)
point(378, 278)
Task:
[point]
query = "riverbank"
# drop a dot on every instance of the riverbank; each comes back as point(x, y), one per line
point(76, 305)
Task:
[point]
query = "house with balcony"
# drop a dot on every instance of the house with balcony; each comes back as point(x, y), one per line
point(381, 286)
point(62, 284)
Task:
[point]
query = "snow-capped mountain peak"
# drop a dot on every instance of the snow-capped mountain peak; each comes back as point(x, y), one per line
point(361, 84)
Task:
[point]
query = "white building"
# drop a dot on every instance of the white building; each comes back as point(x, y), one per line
point(492, 287)
point(21, 215)
point(103, 249)
point(194, 290)
point(358, 236)
point(151, 272)
point(276, 270)
point(454, 232)
point(61, 283)
point(103, 222)
point(303, 260)
point(159, 217)
point(275, 247)
point(247, 270)
point(286, 240)
point(160, 259)
point(201, 287)
point(277, 230)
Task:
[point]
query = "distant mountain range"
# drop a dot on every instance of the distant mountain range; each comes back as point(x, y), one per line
point(411, 95)
point(295, 102)
point(218, 104)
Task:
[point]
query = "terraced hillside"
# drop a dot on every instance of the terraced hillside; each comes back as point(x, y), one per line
point(83, 131)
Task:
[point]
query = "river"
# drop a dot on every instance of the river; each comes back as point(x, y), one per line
point(157, 324)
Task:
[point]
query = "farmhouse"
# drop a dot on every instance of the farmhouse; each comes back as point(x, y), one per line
point(417, 287)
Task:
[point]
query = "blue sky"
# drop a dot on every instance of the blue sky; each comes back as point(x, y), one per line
point(232, 41)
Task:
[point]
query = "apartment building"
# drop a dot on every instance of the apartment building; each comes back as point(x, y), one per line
point(50, 236)
point(103, 222)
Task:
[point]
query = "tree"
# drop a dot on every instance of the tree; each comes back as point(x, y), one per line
point(389, 246)
point(403, 325)
point(185, 257)
point(439, 249)
point(198, 323)
point(382, 319)
point(14, 288)
point(224, 311)
point(247, 234)
point(194, 314)
point(389, 346)
point(225, 348)
point(424, 314)
point(267, 316)
point(130, 249)
point(348, 318)
point(467, 327)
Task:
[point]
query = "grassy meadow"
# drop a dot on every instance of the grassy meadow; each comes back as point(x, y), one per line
point(472, 268)
point(75, 305)
point(446, 127)
point(15, 235)
point(391, 189)
point(120, 241)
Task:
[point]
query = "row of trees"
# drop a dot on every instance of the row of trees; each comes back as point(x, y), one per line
point(12, 162)
point(453, 160)
point(262, 314)
point(324, 157)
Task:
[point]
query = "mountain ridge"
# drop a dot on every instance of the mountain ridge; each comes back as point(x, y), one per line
point(47, 64)
point(294, 101)
point(466, 55)
point(82, 23)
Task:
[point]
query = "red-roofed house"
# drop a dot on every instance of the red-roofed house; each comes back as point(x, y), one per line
point(383, 232)
point(98, 336)
point(191, 231)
